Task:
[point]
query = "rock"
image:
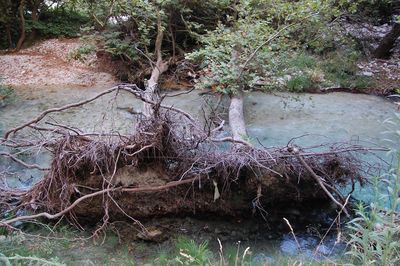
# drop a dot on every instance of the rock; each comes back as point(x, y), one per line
point(153, 235)
point(367, 73)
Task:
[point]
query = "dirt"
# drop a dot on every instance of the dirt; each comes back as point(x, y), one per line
point(48, 63)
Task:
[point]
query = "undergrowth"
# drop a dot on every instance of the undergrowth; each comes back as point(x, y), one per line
point(375, 232)
point(303, 71)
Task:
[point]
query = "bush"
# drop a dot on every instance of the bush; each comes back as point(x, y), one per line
point(82, 52)
point(57, 23)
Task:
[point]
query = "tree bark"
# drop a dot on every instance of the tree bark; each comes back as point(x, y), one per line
point(384, 49)
point(22, 18)
point(236, 115)
point(35, 17)
point(151, 93)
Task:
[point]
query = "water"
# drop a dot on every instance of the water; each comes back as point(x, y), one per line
point(272, 120)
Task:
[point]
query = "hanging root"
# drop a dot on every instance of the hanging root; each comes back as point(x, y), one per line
point(170, 165)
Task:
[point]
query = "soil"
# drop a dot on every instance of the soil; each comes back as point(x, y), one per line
point(47, 63)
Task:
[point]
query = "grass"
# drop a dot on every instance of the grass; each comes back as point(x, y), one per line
point(303, 71)
point(300, 83)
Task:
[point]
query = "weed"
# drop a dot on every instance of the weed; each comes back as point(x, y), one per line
point(191, 253)
point(375, 232)
point(300, 83)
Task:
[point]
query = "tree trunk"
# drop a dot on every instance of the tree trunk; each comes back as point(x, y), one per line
point(22, 18)
point(387, 43)
point(236, 117)
point(35, 18)
point(151, 92)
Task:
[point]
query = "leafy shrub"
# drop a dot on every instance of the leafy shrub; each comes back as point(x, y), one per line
point(82, 52)
point(58, 23)
point(115, 44)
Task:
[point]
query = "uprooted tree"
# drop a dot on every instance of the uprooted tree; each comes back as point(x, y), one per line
point(173, 164)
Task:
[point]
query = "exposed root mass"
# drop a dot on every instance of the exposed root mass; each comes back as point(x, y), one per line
point(171, 165)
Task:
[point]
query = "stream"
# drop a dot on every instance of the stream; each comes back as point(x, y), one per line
point(272, 119)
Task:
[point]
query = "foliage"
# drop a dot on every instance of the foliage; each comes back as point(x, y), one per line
point(57, 23)
point(341, 70)
point(299, 83)
point(42, 20)
point(15, 250)
point(191, 253)
point(261, 32)
point(82, 52)
point(375, 232)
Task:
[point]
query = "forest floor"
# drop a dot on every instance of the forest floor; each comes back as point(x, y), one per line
point(48, 63)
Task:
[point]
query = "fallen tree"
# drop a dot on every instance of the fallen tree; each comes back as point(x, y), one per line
point(170, 165)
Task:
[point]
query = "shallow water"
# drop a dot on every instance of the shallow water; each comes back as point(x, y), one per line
point(273, 120)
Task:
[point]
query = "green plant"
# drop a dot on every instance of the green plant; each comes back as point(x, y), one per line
point(302, 61)
point(58, 23)
point(82, 52)
point(191, 253)
point(299, 83)
point(375, 232)
point(340, 69)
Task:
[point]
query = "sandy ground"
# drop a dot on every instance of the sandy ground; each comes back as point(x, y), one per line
point(47, 63)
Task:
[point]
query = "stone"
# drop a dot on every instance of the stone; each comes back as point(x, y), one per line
point(153, 235)
point(367, 73)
